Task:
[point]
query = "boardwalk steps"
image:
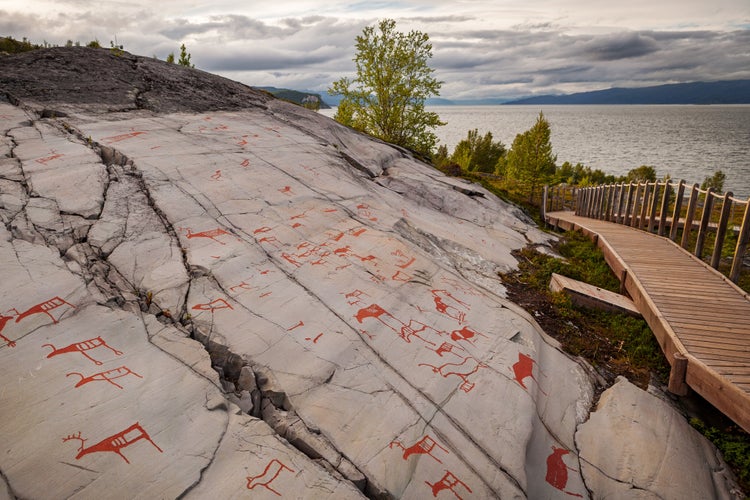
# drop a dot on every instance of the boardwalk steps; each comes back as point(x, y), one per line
point(699, 317)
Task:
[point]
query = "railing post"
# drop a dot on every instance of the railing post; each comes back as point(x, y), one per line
point(599, 201)
point(653, 205)
point(677, 211)
point(634, 205)
point(628, 205)
point(543, 211)
point(644, 206)
point(705, 219)
point(621, 204)
point(688, 227)
point(742, 240)
point(664, 207)
point(610, 202)
point(721, 231)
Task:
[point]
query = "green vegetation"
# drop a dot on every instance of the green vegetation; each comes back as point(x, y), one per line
point(474, 154)
point(715, 182)
point(185, 58)
point(530, 162)
point(734, 445)
point(12, 46)
point(387, 97)
point(616, 344)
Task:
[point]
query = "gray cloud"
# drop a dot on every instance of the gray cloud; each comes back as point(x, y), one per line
point(310, 52)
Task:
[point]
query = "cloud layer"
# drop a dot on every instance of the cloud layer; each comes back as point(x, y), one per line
point(506, 50)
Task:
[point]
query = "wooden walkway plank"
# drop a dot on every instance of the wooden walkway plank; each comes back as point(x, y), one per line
point(693, 310)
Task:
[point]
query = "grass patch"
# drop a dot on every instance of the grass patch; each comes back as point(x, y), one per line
point(734, 445)
point(615, 344)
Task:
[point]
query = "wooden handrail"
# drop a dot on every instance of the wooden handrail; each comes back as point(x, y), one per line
point(657, 207)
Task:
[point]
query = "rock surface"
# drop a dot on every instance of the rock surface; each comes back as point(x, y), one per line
point(207, 292)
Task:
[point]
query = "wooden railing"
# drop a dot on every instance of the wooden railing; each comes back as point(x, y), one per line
point(663, 208)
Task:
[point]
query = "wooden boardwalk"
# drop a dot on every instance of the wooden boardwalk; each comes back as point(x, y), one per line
point(700, 318)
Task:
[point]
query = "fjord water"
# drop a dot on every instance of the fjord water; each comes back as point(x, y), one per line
point(685, 141)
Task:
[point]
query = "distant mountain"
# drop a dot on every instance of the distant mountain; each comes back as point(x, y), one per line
point(724, 92)
point(294, 95)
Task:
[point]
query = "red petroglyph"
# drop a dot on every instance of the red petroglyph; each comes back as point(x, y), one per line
point(314, 340)
point(330, 210)
point(401, 276)
point(221, 127)
point(357, 232)
point(405, 331)
point(271, 240)
point(210, 234)
point(121, 137)
point(296, 225)
point(344, 266)
point(114, 443)
point(83, 348)
point(447, 347)
point(290, 258)
point(244, 285)
point(353, 298)
point(404, 261)
point(364, 211)
point(265, 295)
point(298, 325)
point(299, 216)
point(460, 286)
point(266, 271)
point(245, 163)
point(446, 303)
point(241, 141)
point(269, 474)
point(337, 237)
point(523, 369)
point(107, 376)
point(466, 334)
point(347, 252)
point(47, 159)
point(469, 366)
point(557, 471)
point(217, 175)
point(263, 229)
point(451, 483)
point(3, 320)
point(287, 190)
point(422, 447)
point(213, 305)
point(45, 308)
point(365, 332)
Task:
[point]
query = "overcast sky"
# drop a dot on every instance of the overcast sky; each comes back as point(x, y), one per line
point(501, 48)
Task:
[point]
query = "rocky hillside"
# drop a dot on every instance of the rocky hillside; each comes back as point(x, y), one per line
point(210, 293)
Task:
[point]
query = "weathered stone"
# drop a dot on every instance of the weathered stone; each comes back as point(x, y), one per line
point(655, 446)
point(353, 285)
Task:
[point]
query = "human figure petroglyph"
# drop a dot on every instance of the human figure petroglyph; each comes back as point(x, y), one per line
point(83, 348)
point(114, 443)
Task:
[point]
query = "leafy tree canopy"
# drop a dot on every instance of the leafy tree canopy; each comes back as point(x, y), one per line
point(642, 174)
point(715, 181)
point(387, 97)
point(478, 153)
point(530, 161)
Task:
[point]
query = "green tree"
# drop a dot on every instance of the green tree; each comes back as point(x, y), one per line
point(715, 181)
point(478, 153)
point(184, 57)
point(641, 174)
point(530, 161)
point(386, 98)
point(170, 58)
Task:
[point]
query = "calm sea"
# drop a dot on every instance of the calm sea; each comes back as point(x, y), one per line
point(686, 142)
